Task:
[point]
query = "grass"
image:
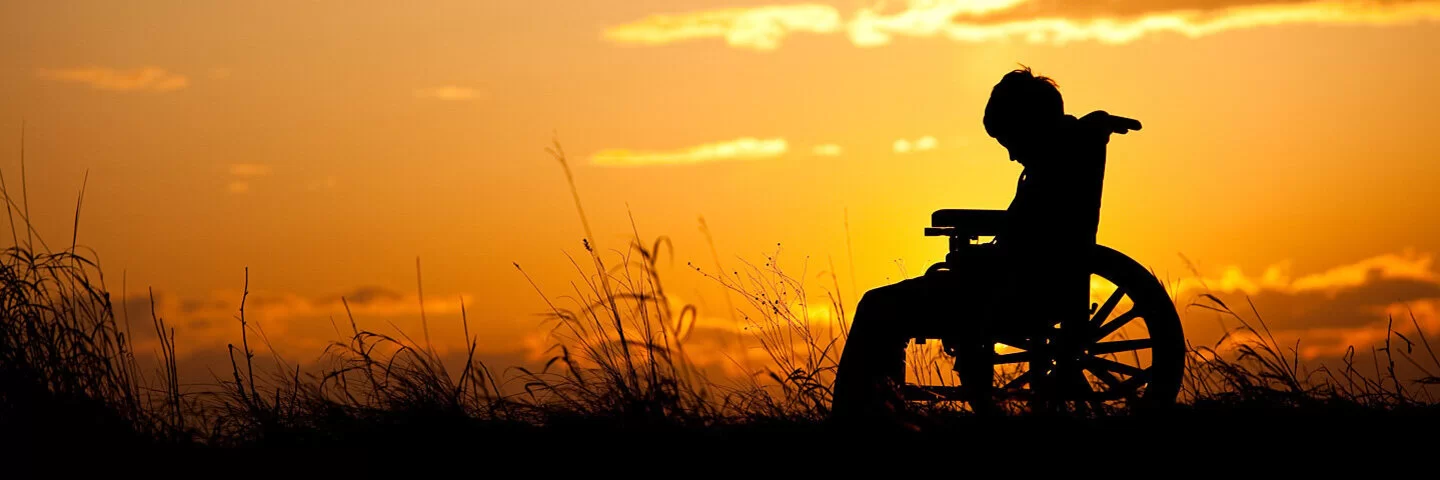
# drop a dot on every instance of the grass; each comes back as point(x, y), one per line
point(620, 366)
point(1264, 372)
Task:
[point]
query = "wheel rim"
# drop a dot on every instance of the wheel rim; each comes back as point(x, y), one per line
point(1128, 354)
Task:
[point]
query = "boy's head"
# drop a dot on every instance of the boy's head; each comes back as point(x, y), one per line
point(1023, 107)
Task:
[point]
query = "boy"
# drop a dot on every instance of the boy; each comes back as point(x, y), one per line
point(1050, 227)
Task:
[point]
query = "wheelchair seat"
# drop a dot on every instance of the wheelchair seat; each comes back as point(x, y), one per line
point(966, 223)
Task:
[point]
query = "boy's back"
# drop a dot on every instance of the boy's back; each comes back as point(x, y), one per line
point(1055, 215)
point(1057, 200)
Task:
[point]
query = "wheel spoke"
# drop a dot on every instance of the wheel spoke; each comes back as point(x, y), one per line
point(1119, 322)
point(1126, 390)
point(1014, 357)
point(1081, 392)
point(1104, 375)
point(1104, 312)
point(1120, 346)
point(1023, 379)
point(1129, 388)
point(1096, 364)
point(1076, 377)
point(1022, 344)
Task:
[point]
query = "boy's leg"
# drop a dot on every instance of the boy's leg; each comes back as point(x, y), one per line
point(872, 365)
point(1057, 286)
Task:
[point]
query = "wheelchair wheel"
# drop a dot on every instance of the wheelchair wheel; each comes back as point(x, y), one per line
point(1129, 355)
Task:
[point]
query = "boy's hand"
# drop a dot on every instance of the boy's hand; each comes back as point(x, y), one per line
point(1112, 123)
point(1121, 125)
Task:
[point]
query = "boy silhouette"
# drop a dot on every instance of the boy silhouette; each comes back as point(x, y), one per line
point(1035, 271)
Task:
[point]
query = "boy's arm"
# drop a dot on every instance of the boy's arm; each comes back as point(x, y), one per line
point(1107, 123)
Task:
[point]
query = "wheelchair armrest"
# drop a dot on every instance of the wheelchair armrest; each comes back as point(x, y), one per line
point(967, 223)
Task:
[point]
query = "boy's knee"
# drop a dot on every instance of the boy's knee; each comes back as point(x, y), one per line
point(881, 297)
point(871, 297)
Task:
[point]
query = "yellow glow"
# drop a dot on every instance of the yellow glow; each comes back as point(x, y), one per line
point(765, 27)
point(449, 92)
point(325, 149)
point(828, 150)
point(759, 27)
point(154, 79)
point(740, 149)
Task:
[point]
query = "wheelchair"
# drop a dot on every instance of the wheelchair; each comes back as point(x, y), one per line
point(1126, 354)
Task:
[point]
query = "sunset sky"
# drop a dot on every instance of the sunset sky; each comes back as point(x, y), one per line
point(1289, 148)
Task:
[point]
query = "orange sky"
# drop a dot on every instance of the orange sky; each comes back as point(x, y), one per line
point(326, 144)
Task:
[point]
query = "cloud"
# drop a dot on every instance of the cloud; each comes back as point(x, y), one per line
point(1348, 307)
point(299, 328)
point(450, 93)
point(1080, 10)
point(747, 148)
point(1403, 265)
point(297, 325)
point(1037, 21)
point(242, 173)
point(1329, 311)
point(145, 79)
point(759, 28)
point(902, 146)
point(1406, 265)
point(926, 143)
point(918, 145)
point(368, 295)
point(828, 150)
point(723, 347)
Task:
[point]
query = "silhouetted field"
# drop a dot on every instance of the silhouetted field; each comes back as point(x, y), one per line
point(621, 381)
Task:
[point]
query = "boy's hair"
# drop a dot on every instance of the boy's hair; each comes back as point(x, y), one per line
point(1020, 97)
